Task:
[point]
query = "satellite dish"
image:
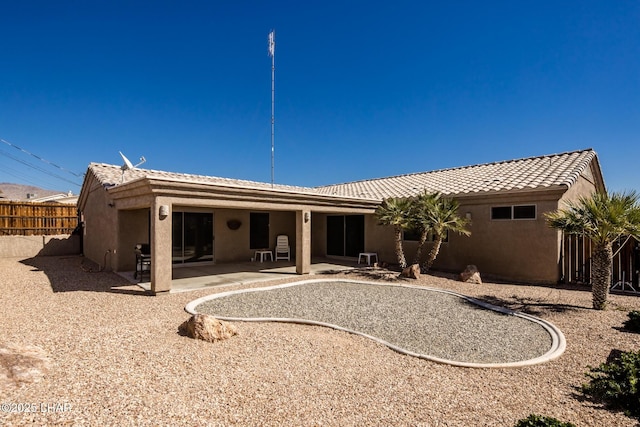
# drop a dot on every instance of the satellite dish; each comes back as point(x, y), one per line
point(128, 165)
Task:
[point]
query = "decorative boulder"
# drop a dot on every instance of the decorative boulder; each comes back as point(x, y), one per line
point(412, 272)
point(207, 328)
point(471, 275)
point(22, 364)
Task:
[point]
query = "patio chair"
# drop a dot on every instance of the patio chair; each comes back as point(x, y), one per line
point(143, 260)
point(283, 251)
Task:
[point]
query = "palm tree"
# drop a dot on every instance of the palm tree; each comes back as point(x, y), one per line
point(442, 217)
point(421, 205)
point(395, 212)
point(601, 218)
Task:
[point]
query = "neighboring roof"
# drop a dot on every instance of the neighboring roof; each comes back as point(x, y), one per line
point(23, 193)
point(65, 198)
point(548, 171)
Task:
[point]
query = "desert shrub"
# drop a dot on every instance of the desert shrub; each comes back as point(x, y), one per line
point(534, 420)
point(633, 323)
point(617, 382)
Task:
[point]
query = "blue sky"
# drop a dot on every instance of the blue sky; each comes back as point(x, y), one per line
point(364, 89)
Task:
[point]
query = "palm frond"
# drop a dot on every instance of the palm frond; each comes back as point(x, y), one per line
point(395, 212)
point(601, 218)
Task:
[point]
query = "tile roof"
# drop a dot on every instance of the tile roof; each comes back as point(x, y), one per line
point(111, 175)
point(529, 173)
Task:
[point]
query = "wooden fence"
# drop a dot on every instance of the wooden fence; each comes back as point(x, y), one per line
point(37, 219)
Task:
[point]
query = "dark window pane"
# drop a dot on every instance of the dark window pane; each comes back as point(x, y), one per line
point(524, 212)
point(176, 225)
point(501, 212)
point(345, 235)
point(411, 235)
point(192, 237)
point(198, 237)
point(335, 235)
point(259, 230)
point(354, 235)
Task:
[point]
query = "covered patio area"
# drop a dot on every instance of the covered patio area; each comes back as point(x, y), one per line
point(194, 226)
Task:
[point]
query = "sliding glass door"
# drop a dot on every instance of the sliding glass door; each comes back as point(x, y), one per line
point(345, 235)
point(192, 237)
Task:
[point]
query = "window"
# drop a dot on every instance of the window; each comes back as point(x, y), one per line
point(524, 212)
point(258, 230)
point(192, 237)
point(345, 235)
point(411, 235)
point(501, 212)
point(514, 212)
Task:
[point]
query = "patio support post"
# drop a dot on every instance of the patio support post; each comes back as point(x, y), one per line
point(303, 242)
point(161, 267)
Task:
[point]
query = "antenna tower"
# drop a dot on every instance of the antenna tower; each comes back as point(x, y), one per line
point(272, 54)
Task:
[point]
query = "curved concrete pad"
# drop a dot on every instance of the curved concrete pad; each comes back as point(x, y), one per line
point(558, 343)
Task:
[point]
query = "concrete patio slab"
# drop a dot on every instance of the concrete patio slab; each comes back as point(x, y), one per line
point(203, 276)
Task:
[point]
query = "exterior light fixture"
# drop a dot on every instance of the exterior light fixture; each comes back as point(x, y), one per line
point(164, 211)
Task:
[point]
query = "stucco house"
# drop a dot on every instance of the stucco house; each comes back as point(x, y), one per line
point(190, 219)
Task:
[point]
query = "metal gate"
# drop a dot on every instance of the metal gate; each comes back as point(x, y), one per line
point(576, 262)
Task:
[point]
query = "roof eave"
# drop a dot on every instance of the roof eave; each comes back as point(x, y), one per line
point(177, 188)
point(550, 189)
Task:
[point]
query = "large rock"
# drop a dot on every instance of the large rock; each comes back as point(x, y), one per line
point(412, 272)
point(21, 364)
point(207, 328)
point(471, 275)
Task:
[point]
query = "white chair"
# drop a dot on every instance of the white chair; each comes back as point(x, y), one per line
point(283, 251)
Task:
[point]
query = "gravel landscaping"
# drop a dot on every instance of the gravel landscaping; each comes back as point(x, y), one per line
point(85, 348)
point(420, 321)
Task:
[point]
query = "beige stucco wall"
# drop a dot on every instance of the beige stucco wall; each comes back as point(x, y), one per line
point(230, 245)
point(318, 234)
point(233, 245)
point(100, 226)
point(519, 250)
point(282, 223)
point(31, 246)
point(582, 187)
point(161, 250)
point(303, 242)
point(380, 239)
point(134, 229)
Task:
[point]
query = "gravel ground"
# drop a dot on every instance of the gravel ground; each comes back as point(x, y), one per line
point(418, 320)
point(94, 351)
